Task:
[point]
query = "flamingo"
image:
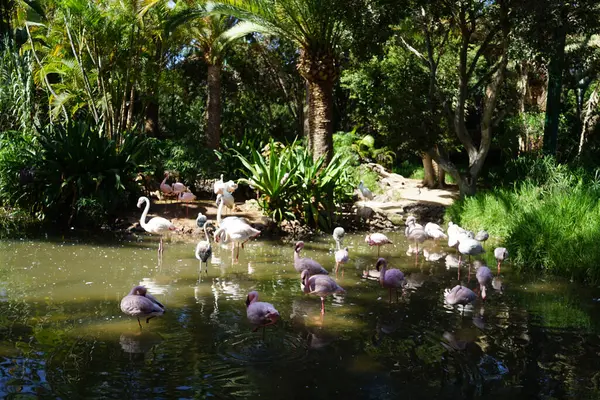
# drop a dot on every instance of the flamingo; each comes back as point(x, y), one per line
point(501, 254)
point(469, 247)
point(260, 313)
point(434, 231)
point(341, 257)
point(157, 225)
point(230, 186)
point(303, 263)
point(320, 285)
point(139, 303)
point(218, 186)
point(165, 188)
point(179, 188)
point(204, 249)
point(364, 191)
point(377, 239)
point(389, 278)
point(415, 232)
point(187, 197)
point(227, 199)
point(482, 236)
point(338, 234)
point(200, 220)
point(237, 232)
point(459, 295)
point(484, 277)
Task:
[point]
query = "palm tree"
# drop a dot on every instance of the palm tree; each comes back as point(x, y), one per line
point(316, 28)
point(211, 33)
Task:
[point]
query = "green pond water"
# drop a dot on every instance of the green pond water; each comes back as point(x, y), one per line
point(62, 334)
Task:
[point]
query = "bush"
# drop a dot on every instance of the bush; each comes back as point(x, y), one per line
point(549, 222)
point(293, 186)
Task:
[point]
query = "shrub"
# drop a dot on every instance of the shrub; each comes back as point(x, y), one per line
point(293, 186)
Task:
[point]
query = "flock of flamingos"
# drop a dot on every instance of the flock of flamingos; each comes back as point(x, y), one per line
point(314, 278)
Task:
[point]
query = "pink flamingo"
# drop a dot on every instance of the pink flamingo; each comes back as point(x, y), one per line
point(415, 232)
point(377, 239)
point(389, 278)
point(460, 295)
point(320, 285)
point(237, 232)
point(139, 303)
point(303, 263)
point(157, 225)
point(187, 197)
point(165, 188)
point(260, 313)
point(501, 254)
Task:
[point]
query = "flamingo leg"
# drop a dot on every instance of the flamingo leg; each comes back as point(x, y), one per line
point(499, 262)
point(237, 255)
point(139, 323)
point(322, 305)
point(232, 250)
point(469, 277)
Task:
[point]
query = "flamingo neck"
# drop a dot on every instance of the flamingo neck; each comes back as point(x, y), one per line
point(382, 273)
point(206, 233)
point(145, 213)
point(219, 211)
point(337, 242)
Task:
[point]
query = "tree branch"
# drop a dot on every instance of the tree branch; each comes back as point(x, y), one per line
point(481, 48)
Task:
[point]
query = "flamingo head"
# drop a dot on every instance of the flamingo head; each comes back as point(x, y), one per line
point(410, 221)
point(251, 298)
point(367, 238)
point(272, 316)
point(380, 262)
point(299, 246)
point(140, 202)
point(139, 291)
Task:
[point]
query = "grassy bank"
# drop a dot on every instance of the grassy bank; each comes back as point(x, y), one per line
point(551, 226)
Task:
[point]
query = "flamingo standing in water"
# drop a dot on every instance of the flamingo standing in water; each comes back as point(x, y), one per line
point(139, 303)
point(460, 295)
point(157, 225)
point(389, 278)
point(320, 285)
point(415, 232)
point(305, 263)
point(341, 254)
point(501, 254)
point(204, 249)
point(434, 231)
point(484, 277)
point(377, 239)
point(260, 313)
point(238, 232)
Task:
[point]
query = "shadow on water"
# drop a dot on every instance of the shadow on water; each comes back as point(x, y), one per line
point(63, 335)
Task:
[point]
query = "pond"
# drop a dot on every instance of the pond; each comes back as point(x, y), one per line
point(63, 335)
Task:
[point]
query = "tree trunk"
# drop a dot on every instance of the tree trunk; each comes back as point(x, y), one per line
point(320, 115)
point(213, 107)
point(429, 176)
point(555, 71)
point(305, 114)
point(441, 176)
point(151, 117)
point(589, 119)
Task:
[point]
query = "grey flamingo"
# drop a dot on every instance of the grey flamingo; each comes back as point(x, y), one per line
point(320, 285)
point(260, 313)
point(139, 303)
point(484, 277)
point(460, 295)
point(304, 263)
point(204, 249)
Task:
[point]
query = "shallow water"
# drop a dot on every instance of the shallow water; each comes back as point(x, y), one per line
point(62, 334)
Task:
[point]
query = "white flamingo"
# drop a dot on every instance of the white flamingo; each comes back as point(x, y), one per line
point(218, 186)
point(238, 232)
point(341, 254)
point(227, 199)
point(435, 231)
point(157, 225)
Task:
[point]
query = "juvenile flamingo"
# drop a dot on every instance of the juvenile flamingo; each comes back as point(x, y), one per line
point(260, 313)
point(305, 263)
point(377, 239)
point(139, 303)
point(157, 225)
point(200, 220)
point(204, 249)
point(501, 254)
point(320, 285)
point(389, 278)
point(218, 186)
point(341, 254)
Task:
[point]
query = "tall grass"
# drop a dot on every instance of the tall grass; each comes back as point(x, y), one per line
point(550, 224)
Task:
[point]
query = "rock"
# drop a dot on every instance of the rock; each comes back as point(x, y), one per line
point(365, 212)
point(396, 219)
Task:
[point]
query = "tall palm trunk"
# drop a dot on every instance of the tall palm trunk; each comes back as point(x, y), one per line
point(320, 116)
point(213, 107)
point(320, 72)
